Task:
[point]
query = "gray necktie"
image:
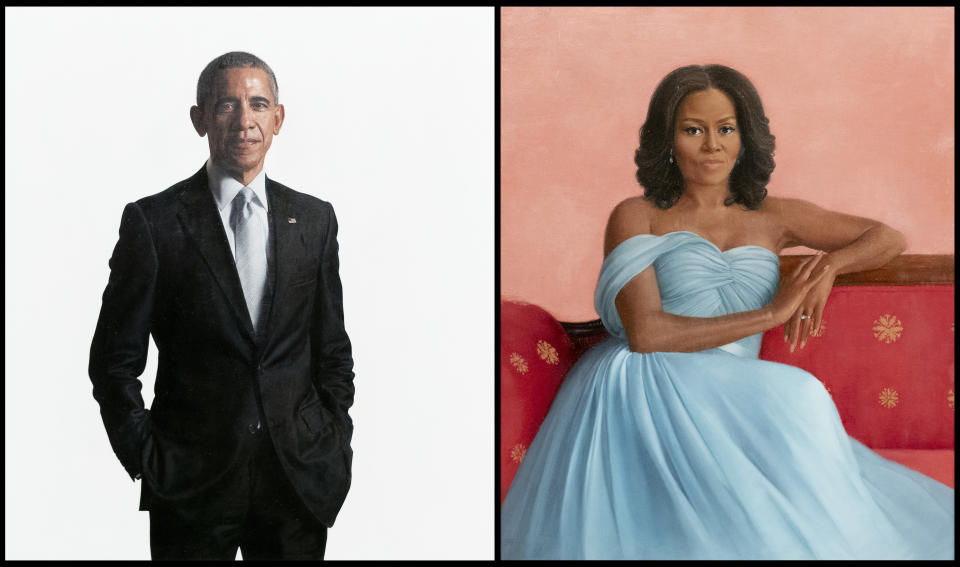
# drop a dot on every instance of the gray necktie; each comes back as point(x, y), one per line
point(251, 250)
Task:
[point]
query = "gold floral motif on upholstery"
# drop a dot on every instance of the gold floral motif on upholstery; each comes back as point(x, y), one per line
point(887, 328)
point(889, 397)
point(518, 362)
point(518, 452)
point(950, 399)
point(547, 352)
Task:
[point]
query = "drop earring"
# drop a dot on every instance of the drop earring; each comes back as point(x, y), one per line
point(671, 155)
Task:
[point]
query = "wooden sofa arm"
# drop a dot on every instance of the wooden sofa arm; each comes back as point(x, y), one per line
point(906, 269)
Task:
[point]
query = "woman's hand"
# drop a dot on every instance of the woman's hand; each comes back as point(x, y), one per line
point(799, 328)
point(795, 288)
point(855, 244)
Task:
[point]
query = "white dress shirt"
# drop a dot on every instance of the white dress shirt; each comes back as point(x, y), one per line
point(225, 189)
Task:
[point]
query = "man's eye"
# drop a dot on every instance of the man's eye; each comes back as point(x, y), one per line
point(225, 107)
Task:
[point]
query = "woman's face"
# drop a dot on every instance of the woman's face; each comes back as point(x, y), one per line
point(706, 141)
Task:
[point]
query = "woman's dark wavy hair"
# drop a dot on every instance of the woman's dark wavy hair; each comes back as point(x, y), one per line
point(662, 181)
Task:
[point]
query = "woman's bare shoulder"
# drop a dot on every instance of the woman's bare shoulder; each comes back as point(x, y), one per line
point(785, 207)
point(634, 206)
point(782, 215)
point(630, 217)
point(804, 223)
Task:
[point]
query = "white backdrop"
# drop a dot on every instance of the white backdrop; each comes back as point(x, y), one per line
point(389, 116)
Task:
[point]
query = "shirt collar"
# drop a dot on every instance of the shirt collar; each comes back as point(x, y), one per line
point(225, 188)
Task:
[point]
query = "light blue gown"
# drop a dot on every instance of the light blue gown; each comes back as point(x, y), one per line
point(708, 455)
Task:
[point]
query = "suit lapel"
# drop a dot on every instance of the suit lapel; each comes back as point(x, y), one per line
point(284, 240)
point(201, 220)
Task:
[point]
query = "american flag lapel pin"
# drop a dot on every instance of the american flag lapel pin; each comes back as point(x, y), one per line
point(291, 220)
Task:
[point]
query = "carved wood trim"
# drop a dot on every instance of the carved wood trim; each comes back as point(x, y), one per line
point(906, 269)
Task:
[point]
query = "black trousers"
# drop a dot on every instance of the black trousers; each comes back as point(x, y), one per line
point(256, 510)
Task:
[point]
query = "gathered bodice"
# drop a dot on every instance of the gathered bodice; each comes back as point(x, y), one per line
point(695, 279)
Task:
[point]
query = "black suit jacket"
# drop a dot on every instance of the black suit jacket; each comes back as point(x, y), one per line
point(172, 275)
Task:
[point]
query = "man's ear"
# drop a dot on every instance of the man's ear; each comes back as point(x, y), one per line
point(278, 119)
point(196, 116)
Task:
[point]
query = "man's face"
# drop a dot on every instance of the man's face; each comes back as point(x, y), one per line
point(240, 119)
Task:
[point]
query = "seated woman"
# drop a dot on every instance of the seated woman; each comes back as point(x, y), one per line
point(671, 440)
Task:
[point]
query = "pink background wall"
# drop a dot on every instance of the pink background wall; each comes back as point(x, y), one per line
point(860, 100)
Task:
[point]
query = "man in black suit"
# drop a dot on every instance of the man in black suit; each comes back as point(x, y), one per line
point(247, 443)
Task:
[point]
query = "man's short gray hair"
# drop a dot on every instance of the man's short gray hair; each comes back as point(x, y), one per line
point(232, 60)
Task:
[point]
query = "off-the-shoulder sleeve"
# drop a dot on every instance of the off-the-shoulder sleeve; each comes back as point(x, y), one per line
point(626, 261)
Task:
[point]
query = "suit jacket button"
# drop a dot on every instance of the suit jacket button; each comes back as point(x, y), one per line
point(252, 429)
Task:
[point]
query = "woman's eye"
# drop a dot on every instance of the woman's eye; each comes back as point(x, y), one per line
point(727, 129)
point(692, 130)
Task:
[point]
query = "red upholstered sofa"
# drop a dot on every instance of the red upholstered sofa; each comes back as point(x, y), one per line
point(885, 354)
